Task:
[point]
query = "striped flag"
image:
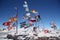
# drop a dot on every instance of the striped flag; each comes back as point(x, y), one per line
point(32, 20)
point(6, 23)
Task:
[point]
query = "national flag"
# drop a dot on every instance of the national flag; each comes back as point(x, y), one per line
point(32, 20)
point(14, 24)
point(46, 31)
point(22, 24)
point(27, 10)
point(53, 25)
point(28, 14)
point(25, 26)
point(37, 18)
point(34, 29)
point(13, 19)
point(25, 5)
point(34, 11)
point(30, 23)
point(10, 28)
point(6, 23)
point(24, 17)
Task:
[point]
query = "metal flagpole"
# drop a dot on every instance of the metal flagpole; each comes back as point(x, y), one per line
point(16, 18)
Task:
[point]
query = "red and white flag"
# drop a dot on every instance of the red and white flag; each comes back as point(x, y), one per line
point(6, 23)
point(33, 20)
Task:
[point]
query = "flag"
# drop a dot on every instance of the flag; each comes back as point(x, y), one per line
point(14, 24)
point(34, 11)
point(6, 23)
point(27, 9)
point(53, 25)
point(37, 18)
point(24, 17)
point(25, 26)
point(22, 24)
point(13, 19)
point(26, 6)
point(28, 14)
point(32, 20)
point(10, 28)
point(30, 23)
point(46, 31)
point(34, 29)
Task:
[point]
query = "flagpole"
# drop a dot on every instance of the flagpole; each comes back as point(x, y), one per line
point(17, 20)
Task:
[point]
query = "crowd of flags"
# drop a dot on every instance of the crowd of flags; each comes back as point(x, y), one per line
point(32, 20)
point(11, 23)
point(27, 16)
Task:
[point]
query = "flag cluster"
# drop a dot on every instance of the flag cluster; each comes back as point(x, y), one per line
point(31, 19)
point(13, 19)
point(11, 22)
point(28, 16)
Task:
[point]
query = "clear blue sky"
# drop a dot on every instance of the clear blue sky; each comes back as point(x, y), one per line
point(49, 10)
